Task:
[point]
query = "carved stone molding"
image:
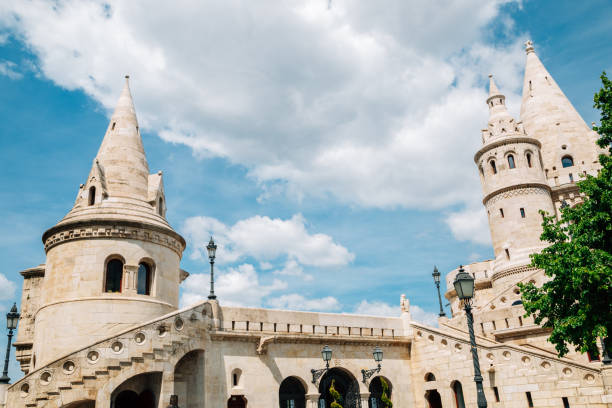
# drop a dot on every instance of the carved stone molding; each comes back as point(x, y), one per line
point(512, 271)
point(513, 191)
point(113, 230)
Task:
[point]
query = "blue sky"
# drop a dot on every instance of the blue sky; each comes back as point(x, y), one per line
point(328, 149)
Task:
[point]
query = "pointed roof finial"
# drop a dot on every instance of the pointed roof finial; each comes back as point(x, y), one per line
point(493, 91)
point(529, 46)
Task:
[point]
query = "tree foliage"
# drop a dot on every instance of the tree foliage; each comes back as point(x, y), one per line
point(385, 394)
point(575, 303)
point(335, 395)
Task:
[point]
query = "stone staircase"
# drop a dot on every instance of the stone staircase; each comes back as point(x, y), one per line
point(145, 348)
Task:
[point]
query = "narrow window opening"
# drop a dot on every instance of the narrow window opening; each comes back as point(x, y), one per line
point(511, 161)
point(530, 88)
point(113, 126)
point(507, 324)
point(507, 253)
point(233, 324)
point(571, 178)
point(235, 380)
point(114, 275)
point(493, 167)
point(496, 393)
point(144, 279)
point(92, 195)
point(528, 160)
point(520, 319)
point(593, 355)
point(529, 400)
point(160, 206)
point(482, 327)
point(494, 325)
point(501, 212)
point(522, 213)
point(565, 402)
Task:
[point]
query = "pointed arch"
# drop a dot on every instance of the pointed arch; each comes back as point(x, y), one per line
point(91, 197)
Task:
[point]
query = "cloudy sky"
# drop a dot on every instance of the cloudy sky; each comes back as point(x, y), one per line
point(327, 145)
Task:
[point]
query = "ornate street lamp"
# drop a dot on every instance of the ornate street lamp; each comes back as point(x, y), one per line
point(377, 353)
point(212, 250)
point(464, 286)
point(436, 277)
point(12, 318)
point(326, 354)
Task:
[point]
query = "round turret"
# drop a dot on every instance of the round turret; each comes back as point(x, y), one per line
point(113, 260)
point(514, 188)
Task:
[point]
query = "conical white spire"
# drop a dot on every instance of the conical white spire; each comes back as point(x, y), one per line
point(493, 91)
point(121, 153)
point(550, 117)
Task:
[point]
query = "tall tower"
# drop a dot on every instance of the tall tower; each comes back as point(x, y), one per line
point(113, 260)
point(514, 188)
point(568, 144)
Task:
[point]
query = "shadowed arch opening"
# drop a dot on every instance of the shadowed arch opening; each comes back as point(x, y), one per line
point(430, 377)
point(433, 399)
point(458, 394)
point(567, 161)
point(91, 199)
point(376, 392)
point(114, 275)
point(237, 401)
point(292, 393)
point(344, 383)
point(188, 374)
point(140, 391)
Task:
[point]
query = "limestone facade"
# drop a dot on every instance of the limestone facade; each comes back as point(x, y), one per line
point(100, 324)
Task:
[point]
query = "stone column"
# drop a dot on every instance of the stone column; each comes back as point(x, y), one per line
point(312, 400)
point(365, 397)
point(130, 279)
point(167, 388)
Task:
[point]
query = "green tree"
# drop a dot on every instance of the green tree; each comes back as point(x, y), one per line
point(335, 395)
point(385, 394)
point(575, 303)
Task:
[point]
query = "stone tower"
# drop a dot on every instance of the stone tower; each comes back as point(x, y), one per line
point(514, 187)
point(113, 260)
point(568, 145)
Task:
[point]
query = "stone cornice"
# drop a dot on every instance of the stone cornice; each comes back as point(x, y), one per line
point(505, 141)
point(303, 338)
point(113, 229)
point(33, 272)
point(512, 271)
point(541, 186)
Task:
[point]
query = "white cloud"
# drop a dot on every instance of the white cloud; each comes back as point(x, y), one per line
point(236, 286)
point(377, 309)
point(299, 302)
point(292, 268)
point(266, 239)
point(470, 224)
point(419, 315)
point(8, 68)
point(7, 288)
point(374, 105)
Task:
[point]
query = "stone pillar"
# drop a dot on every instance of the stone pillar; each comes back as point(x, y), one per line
point(365, 397)
point(130, 279)
point(312, 400)
point(167, 389)
point(606, 374)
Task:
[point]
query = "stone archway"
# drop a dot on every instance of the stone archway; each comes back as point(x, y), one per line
point(139, 391)
point(189, 379)
point(291, 393)
point(376, 391)
point(237, 401)
point(345, 383)
point(433, 399)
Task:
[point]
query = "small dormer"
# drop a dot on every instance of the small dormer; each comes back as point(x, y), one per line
point(94, 191)
point(156, 196)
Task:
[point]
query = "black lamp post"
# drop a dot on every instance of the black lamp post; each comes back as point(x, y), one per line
point(436, 277)
point(212, 250)
point(326, 354)
point(377, 353)
point(464, 285)
point(12, 318)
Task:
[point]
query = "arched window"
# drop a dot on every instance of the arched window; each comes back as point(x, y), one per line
point(493, 167)
point(145, 276)
point(511, 161)
point(92, 195)
point(291, 393)
point(528, 159)
point(160, 206)
point(114, 275)
point(481, 171)
point(377, 389)
point(517, 302)
point(567, 161)
point(430, 377)
point(458, 393)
